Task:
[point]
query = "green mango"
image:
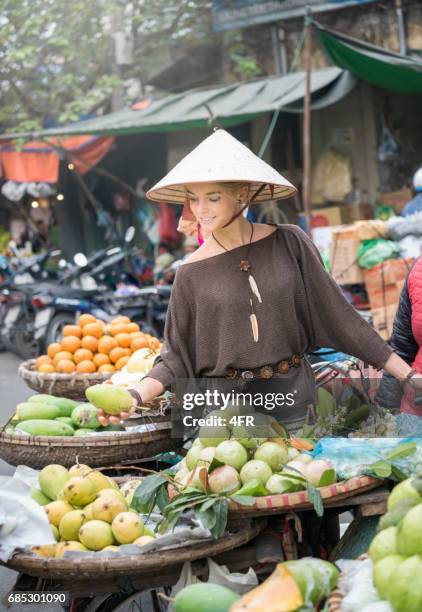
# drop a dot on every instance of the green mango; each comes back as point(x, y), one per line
point(27, 411)
point(66, 405)
point(44, 427)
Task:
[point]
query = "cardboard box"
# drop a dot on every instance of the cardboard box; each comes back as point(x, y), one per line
point(383, 319)
point(344, 267)
point(389, 272)
point(331, 215)
point(369, 230)
point(389, 296)
point(345, 232)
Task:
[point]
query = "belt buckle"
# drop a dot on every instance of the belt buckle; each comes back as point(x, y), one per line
point(231, 373)
point(247, 375)
point(266, 372)
point(283, 366)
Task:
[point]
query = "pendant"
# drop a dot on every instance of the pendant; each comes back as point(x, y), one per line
point(244, 265)
point(254, 288)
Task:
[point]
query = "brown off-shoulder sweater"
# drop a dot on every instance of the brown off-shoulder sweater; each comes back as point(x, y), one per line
point(208, 329)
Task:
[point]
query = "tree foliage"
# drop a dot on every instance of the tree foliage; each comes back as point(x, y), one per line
point(57, 57)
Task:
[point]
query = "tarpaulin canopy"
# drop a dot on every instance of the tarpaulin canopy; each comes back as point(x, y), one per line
point(228, 104)
point(382, 68)
point(38, 161)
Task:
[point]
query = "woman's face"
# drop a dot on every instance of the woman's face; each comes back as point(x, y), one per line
point(212, 206)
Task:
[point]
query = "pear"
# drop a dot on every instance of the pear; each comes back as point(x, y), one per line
point(129, 488)
point(55, 532)
point(127, 527)
point(46, 550)
point(56, 510)
point(145, 539)
point(112, 493)
point(100, 481)
point(70, 524)
point(62, 547)
point(39, 497)
point(79, 491)
point(88, 512)
point(79, 469)
point(52, 479)
point(112, 548)
point(96, 535)
point(105, 508)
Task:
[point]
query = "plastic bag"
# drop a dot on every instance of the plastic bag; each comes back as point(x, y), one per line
point(218, 574)
point(357, 583)
point(331, 178)
point(354, 456)
point(373, 252)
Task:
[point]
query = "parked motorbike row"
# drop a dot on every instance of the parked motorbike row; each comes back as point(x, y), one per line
point(37, 302)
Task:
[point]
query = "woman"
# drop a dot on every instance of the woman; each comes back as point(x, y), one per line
point(406, 340)
point(254, 298)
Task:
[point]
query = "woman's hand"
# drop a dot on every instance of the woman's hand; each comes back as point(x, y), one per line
point(108, 419)
point(144, 392)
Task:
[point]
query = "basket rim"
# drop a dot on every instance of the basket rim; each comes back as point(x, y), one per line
point(88, 564)
point(284, 501)
point(75, 441)
point(27, 368)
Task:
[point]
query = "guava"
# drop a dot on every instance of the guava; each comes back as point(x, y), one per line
point(231, 452)
point(384, 544)
point(255, 469)
point(272, 454)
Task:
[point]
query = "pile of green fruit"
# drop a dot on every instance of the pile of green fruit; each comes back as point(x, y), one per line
point(47, 415)
point(238, 462)
point(396, 550)
point(87, 511)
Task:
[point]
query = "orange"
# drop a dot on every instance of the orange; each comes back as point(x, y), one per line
point(107, 329)
point(119, 328)
point(117, 353)
point(43, 359)
point(72, 330)
point(86, 367)
point(83, 354)
point(62, 355)
point(85, 319)
point(154, 344)
point(92, 329)
point(71, 343)
point(65, 366)
point(132, 328)
point(53, 349)
point(121, 362)
point(107, 367)
point(138, 334)
point(120, 319)
point(46, 368)
point(138, 343)
point(106, 344)
point(101, 359)
point(90, 343)
point(123, 340)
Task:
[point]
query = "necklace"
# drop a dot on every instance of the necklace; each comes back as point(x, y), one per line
point(245, 266)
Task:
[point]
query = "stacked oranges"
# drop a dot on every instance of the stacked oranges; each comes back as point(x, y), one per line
point(94, 346)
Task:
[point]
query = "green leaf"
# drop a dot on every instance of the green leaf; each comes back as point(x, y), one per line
point(208, 518)
point(315, 499)
point(327, 478)
point(381, 469)
point(398, 473)
point(215, 463)
point(162, 498)
point(221, 509)
point(144, 498)
point(401, 451)
point(208, 503)
point(243, 500)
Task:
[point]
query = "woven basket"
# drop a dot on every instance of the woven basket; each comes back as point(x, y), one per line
point(103, 450)
point(72, 386)
point(273, 504)
point(94, 567)
point(335, 599)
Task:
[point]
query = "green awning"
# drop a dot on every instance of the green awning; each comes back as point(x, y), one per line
point(382, 68)
point(229, 105)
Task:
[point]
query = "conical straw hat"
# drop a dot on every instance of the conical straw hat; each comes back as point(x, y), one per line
point(221, 158)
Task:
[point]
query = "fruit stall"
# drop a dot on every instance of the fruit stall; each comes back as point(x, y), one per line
point(234, 520)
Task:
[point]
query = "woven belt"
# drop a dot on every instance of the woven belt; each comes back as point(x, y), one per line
point(266, 371)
